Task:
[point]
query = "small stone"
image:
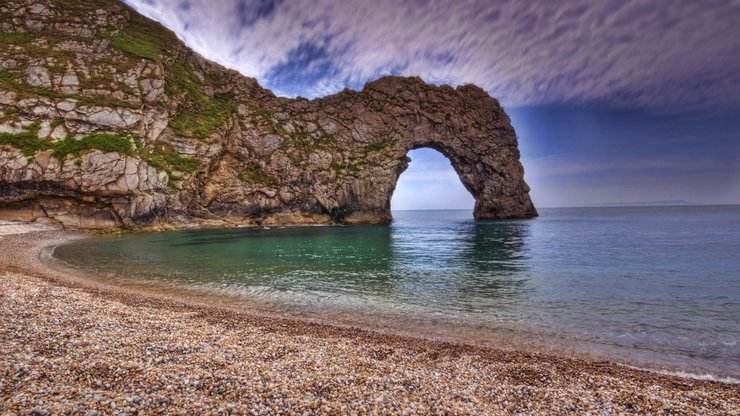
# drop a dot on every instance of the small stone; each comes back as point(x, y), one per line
point(59, 132)
point(7, 97)
point(66, 105)
point(70, 80)
point(38, 76)
point(44, 129)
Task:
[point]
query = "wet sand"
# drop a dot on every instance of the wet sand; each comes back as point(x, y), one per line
point(71, 345)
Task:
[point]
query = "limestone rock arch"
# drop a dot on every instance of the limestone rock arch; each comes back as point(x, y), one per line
point(466, 125)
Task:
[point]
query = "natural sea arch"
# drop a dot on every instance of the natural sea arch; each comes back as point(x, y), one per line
point(397, 115)
point(430, 183)
point(487, 166)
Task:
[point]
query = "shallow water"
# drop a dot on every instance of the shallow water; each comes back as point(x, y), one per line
point(648, 286)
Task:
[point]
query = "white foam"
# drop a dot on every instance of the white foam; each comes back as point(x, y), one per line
point(690, 375)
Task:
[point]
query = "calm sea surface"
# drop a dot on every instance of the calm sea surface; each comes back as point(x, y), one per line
point(654, 287)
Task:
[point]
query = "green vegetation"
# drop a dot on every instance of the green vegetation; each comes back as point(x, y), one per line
point(10, 80)
point(98, 80)
point(34, 126)
point(28, 142)
point(164, 157)
point(201, 124)
point(9, 114)
point(43, 44)
point(202, 114)
point(263, 117)
point(144, 38)
point(37, 43)
point(106, 142)
point(80, 5)
point(300, 143)
point(135, 44)
point(180, 79)
point(377, 146)
point(255, 175)
point(15, 38)
point(56, 123)
point(345, 167)
point(300, 139)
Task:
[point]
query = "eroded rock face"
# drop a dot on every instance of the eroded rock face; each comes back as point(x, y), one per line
point(97, 131)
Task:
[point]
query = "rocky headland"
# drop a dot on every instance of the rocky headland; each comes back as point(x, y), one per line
point(108, 121)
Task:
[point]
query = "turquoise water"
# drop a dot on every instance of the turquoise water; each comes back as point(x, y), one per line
point(648, 286)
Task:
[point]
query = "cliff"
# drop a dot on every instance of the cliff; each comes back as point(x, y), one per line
point(108, 120)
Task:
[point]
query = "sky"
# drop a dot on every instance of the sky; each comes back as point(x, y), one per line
point(615, 101)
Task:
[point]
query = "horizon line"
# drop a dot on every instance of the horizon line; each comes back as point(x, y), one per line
point(626, 205)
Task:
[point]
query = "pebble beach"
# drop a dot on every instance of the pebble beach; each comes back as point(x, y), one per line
point(70, 345)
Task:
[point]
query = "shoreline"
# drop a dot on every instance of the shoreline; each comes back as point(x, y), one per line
point(530, 381)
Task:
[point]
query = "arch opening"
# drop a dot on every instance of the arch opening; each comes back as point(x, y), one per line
point(430, 183)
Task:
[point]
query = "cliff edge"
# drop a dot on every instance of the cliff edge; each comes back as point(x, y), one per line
point(107, 120)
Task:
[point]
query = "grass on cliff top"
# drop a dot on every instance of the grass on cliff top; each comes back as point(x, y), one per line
point(83, 5)
point(144, 38)
point(133, 44)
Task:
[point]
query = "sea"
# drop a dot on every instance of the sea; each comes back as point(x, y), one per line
point(649, 287)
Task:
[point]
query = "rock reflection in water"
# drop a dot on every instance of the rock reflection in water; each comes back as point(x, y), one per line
point(466, 265)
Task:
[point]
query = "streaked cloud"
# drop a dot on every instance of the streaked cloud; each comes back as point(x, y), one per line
point(647, 54)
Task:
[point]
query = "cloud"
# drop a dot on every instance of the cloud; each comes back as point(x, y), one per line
point(646, 54)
